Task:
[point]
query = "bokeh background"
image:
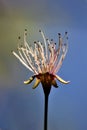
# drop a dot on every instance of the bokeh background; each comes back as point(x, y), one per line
point(21, 108)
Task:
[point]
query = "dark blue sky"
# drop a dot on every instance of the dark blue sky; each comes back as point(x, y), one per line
point(21, 108)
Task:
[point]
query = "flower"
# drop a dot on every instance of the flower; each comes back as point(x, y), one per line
point(43, 59)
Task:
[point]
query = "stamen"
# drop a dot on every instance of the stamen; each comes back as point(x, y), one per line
point(22, 56)
point(48, 41)
point(43, 57)
point(61, 59)
point(44, 43)
point(28, 59)
point(59, 45)
point(25, 31)
point(22, 61)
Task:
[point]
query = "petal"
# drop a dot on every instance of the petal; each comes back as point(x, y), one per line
point(61, 80)
point(36, 83)
point(54, 84)
point(29, 80)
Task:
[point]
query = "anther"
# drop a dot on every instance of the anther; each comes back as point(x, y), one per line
point(39, 30)
point(25, 29)
point(51, 39)
point(66, 32)
point(59, 35)
point(19, 37)
point(35, 42)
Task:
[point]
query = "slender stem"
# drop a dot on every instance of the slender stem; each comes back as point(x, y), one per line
point(46, 96)
point(46, 111)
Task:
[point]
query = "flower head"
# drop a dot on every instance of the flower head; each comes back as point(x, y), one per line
point(43, 59)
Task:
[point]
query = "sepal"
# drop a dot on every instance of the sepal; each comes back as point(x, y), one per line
point(61, 80)
point(36, 83)
point(54, 84)
point(29, 80)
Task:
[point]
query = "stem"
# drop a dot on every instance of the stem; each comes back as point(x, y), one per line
point(46, 111)
point(46, 96)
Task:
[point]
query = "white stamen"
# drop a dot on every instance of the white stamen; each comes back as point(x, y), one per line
point(44, 43)
point(61, 59)
point(28, 59)
point(42, 58)
point(22, 61)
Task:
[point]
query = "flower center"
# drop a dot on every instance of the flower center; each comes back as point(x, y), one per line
point(46, 79)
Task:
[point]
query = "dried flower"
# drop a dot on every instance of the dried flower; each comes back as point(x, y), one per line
point(43, 59)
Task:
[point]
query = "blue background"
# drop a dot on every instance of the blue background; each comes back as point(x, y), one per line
point(21, 107)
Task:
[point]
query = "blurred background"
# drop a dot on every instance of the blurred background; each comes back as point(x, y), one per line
point(21, 108)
